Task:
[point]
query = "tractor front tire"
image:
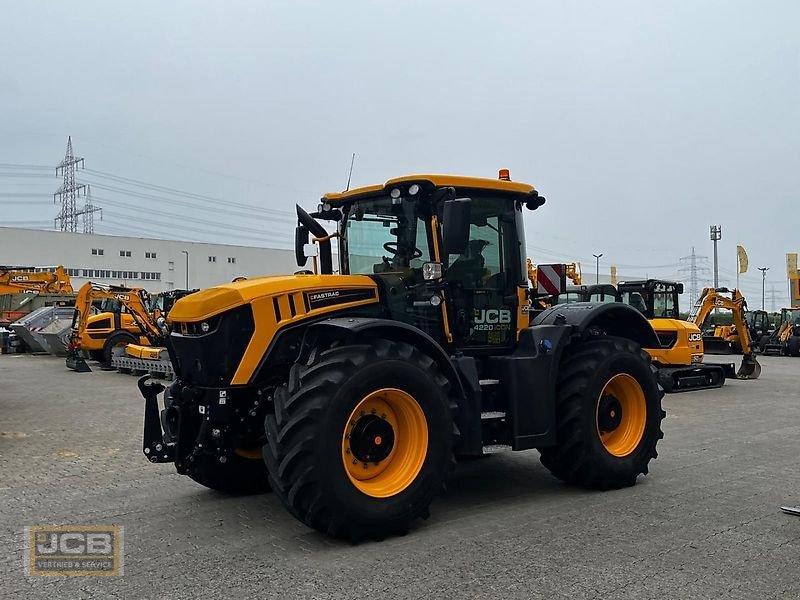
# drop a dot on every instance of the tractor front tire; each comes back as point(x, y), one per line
point(608, 415)
point(793, 346)
point(361, 439)
point(97, 355)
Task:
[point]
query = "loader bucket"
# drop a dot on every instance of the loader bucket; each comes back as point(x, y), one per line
point(76, 362)
point(749, 369)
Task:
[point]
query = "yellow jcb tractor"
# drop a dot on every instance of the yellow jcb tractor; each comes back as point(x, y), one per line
point(725, 299)
point(360, 389)
point(678, 352)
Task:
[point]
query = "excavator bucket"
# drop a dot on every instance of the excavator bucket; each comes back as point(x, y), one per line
point(76, 362)
point(749, 369)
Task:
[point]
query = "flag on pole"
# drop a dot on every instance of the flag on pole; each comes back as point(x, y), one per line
point(742, 259)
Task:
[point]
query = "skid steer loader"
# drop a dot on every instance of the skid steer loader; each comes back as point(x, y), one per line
point(350, 395)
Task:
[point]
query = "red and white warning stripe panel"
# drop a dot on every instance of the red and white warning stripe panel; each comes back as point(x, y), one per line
point(551, 279)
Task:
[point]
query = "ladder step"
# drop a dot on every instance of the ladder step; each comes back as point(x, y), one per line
point(496, 448)
point(492, 414)
point(488, 381)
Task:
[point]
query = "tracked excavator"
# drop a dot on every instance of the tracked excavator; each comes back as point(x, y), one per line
point(786, 337)
point(732, 300)
point(679, 351)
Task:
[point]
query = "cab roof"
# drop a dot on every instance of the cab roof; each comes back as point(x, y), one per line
point(457, 181)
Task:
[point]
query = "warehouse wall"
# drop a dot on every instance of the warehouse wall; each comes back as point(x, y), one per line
point(153, 264)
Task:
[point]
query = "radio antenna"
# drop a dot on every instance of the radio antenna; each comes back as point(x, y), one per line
point(352, 160)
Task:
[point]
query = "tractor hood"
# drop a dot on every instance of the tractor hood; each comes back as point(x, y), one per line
point(317, 291)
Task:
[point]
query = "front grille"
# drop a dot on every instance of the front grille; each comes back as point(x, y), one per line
point(211, 359)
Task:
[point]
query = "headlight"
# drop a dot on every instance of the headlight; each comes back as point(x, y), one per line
point(414, 189)
point(205, 327)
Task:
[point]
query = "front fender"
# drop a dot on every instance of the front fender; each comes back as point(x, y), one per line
point(614, 318)
point(399, 331)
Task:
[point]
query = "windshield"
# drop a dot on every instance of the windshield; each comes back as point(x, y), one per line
point(569, 297)
point(602, 297)
point(636, 300)
point(384, 235)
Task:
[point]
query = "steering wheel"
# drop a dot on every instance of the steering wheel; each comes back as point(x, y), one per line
point(391, 248)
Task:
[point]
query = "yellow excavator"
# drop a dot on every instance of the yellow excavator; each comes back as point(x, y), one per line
point(732, 300)
point(99, 334)
point(14, 281)
point(679, 353)
point(786, 338)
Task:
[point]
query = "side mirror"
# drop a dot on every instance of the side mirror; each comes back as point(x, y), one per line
point(300, 240)
point(455, 225)
point(680, 288)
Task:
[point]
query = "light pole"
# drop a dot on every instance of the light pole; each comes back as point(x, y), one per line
point(597, 268)
point(716, 235)
point(763, 282)
point(186, 252)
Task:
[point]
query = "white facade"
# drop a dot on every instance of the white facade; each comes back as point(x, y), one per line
point(155, 265)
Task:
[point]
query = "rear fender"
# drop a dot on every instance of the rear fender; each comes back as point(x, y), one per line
point(613, 318)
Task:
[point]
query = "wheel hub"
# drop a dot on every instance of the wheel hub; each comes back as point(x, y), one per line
point(609, 413)
point(371, 439)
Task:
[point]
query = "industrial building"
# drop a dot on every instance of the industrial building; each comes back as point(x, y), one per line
point(154, 264)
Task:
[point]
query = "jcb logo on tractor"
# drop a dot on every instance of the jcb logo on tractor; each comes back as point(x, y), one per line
point(20, 278)
point(492, 316)
point(122, 297)
point(491, 319)
point(695, 337)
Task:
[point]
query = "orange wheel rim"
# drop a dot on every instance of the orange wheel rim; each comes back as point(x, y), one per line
point(385, 442)
point(621, 415)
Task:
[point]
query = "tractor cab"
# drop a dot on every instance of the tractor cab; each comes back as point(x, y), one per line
point(447, 252)
point(654, 298)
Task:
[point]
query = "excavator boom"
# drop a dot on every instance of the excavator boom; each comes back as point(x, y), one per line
point(14, 281)
point(725, 299)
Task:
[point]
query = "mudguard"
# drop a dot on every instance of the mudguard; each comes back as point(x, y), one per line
point(614, 318)
point(395, 330)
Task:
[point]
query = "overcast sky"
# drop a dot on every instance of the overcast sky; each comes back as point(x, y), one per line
point(641, 122)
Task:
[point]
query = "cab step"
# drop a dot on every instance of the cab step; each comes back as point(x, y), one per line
point(496, 448)
point(492, 414)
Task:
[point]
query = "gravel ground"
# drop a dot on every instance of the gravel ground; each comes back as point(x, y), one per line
point(704, 524)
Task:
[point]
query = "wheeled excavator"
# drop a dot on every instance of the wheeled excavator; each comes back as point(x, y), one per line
point(99, 334)
point(732, 300)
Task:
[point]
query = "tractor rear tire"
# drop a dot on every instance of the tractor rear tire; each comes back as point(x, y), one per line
point(116, 339)
point(608, 415)
point(793, 346)
point(361, 439)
